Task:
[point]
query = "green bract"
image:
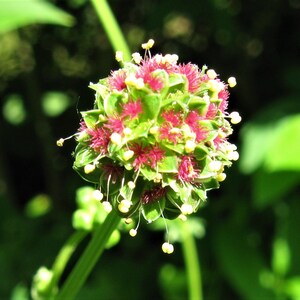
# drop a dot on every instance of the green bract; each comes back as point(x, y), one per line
point(156, 139)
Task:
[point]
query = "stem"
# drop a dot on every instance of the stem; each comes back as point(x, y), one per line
point(111, 27)
point(191, 262)
point(64, 255)
point(89, 257)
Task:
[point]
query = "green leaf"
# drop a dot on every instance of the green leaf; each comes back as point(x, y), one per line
point(153, 211)
point(83, 156)
point(151, 106)
point(112, 104)
point(168, 164)
point(148, 173)
point(292, 287)
point(271, 187)
point(241, 263)
point(254, 137)
point(284, 150)
point(18, 13)
point(91, 117)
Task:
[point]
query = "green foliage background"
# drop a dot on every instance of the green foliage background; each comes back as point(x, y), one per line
point(250, 246)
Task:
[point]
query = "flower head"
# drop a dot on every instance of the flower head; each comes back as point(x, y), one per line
point(157, 137)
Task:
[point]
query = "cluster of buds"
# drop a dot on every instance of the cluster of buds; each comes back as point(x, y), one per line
point(156, 139)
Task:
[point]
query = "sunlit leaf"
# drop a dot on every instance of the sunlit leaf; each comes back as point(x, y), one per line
point(284, 149)
point(18, 13)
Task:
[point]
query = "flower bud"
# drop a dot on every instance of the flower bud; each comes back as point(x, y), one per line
point(157, 178)
point(116, 138)
point(234, 155)
point(215, 165)
point(221, 177)
point(42, 279)
point(128, 154)
point(154, 130)
point(211, 74)
point(127, 131)
point(132, 232)
point(89, 168)
point(189, 146)
point(148, 45)
point(97, 195)
point(60, 142)
point(137, 58)
point(167, 248)
point(82, 220)
point(186, 209)
point(232, 82)
point(131, 185)
point(107, 206)
point(119, 56)
point(235, 117)
point(124, 206)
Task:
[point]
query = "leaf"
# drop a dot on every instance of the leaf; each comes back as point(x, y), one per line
point(292, 287)
point(111, 104)
point(18, 13)
point(284, 150)
point(151, 106)
point(242, 264)
point(153, 211)
point(271, 187)
point(91, 117)
point(168, 164)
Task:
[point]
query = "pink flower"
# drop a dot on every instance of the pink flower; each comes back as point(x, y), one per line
point(131, 109)
point(174, 118)
point(168, 132)
point(186, 170)
point(223, 95)
point(192, 120)
point(218, 141)
point(100, 138)
point(146, 156)
point(155, 155)
point(192, 74)
point(115, 124)
point(212, 111)
point(117, 80)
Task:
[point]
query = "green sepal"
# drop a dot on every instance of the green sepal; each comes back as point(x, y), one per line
point(148, 173)
point(151, 106)
point(91, 117)
point(211, 184)
point(177, 82)
point(83, 156)
point(152, 211)
point(112, 103)
point(199, 104)
point(101, 92)
point(168, 164)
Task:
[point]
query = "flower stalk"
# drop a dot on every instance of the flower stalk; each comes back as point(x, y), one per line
point(89, 258)
point(192, 264)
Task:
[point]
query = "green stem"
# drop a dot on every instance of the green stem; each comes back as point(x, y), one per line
point(89, 258)
point(111, 28)
point(64, 255)
point(191, 262)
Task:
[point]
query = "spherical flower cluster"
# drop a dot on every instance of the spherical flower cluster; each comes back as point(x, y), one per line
point(156, 139)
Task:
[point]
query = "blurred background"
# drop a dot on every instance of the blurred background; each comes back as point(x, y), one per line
point(248, 240)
